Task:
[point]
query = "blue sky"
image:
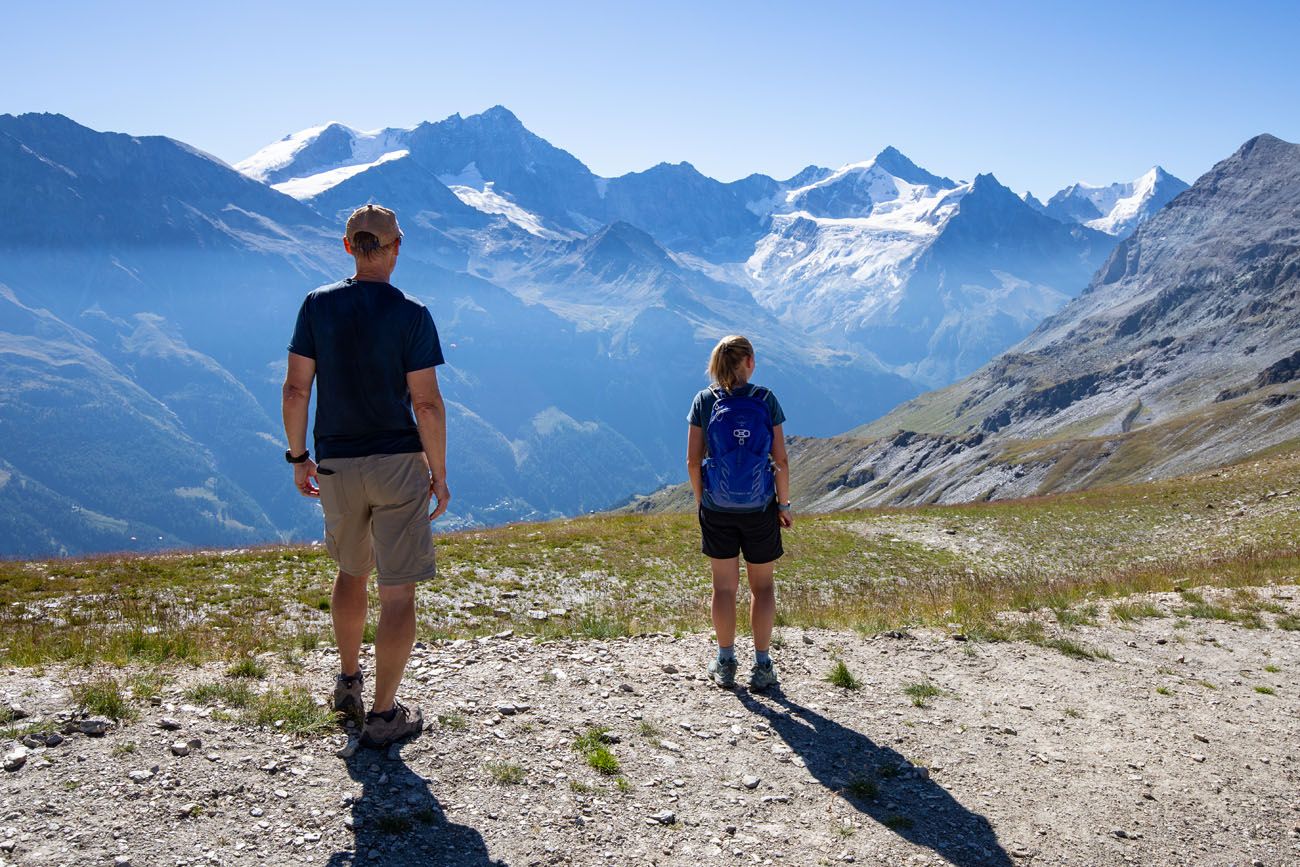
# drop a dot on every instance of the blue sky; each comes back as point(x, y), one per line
point(1039, 93)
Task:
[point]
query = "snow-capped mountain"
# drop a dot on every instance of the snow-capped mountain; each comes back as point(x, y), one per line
point(931, 275)
point(1115, 209)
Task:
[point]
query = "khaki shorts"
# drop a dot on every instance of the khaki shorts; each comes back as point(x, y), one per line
point(377, 513)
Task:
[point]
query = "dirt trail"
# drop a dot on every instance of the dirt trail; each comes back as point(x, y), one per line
point(1027, 757)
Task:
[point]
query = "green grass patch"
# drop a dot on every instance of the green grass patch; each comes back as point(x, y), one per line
point(453, 722)
point(862, 788)
point(104, 696)
point(592, 744)
point(840, 676)
point(247, 667)
point(1265, 690)
point(292, 710)
point(1164, 690)
point(231, 694)
point(1128, 612)
point(1071, 617)
point(505, 773)
point(922, 692)
point(898, 823)
point(1272, 669)
point(1289, 622)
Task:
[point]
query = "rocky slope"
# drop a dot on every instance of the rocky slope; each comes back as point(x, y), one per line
point(1172, 747)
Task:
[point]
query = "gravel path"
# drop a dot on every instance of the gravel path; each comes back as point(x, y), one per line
point(1027, 756)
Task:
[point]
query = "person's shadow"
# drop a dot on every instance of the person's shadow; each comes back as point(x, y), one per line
point(881, 783)
point(397, 820)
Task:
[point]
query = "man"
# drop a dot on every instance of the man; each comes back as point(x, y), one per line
point(381, 446)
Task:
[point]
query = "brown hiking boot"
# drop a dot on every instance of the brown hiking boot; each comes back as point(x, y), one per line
point(380, 732)
point(348, 698)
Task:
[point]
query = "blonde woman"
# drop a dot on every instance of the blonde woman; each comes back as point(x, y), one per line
point(740, 473)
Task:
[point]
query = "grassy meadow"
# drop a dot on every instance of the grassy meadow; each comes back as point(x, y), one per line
point(959, 567)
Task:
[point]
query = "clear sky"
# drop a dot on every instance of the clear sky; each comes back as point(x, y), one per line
point(1040, 93)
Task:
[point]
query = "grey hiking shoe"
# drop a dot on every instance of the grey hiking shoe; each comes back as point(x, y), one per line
point(723, 673)
point(380, 732)
point(762, 677)
point(348, 697)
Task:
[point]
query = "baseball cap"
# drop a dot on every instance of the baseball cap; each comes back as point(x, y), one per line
point(378, 221)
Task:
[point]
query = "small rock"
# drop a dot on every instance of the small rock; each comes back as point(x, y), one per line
point(506, 709)
point(53, 739)
point(1120, 833)
point(257, 812)
point(311, 836)
point(626, 687)
point(663, 817)
point(180, 748)
point(669, 668)
point(1200, 737)
point(168, 724)
point(16, 758)
point(1198, 758)
point(1162, 641)
point(16, 712)
point(807, 639)
point(140, 776)
point(33, 741)
point(349, 749)
point(749, 781)
point(94, 727)
point(538, 615)
point(187, 810)
point(122, 861)
point(776, 799)
point(509, 633)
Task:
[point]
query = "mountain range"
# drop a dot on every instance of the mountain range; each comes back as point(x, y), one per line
point(1181, 355)
point(147, 299)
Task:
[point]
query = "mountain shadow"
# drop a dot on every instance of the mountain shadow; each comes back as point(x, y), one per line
point(400, 819)
point(881, 783)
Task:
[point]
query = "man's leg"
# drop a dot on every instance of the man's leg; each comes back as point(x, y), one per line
point(762, 602)
point(348, 606)
point(393, 640)
point(726, 579)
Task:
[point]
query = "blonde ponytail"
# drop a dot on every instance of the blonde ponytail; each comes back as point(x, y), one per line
point(728, 360)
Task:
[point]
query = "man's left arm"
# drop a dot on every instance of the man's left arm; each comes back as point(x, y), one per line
point(295, 398)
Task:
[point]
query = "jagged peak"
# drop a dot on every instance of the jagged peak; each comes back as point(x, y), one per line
point(894, 161)
point(499, 114)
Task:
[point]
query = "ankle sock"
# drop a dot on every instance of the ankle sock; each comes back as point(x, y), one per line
point(727, 654)
point(387, 715)
point(349, 678)
point(762, 658)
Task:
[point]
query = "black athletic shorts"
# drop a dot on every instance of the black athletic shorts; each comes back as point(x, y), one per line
point(727, 534)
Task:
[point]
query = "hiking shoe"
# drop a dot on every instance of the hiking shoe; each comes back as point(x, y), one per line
point(380, 732)
point(348, 697)
point(723, 672)
point(762, 677)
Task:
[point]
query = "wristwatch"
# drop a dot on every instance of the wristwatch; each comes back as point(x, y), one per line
point(783, 507)
point(288, 456)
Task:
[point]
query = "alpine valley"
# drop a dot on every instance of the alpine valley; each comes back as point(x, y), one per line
point(147, 294)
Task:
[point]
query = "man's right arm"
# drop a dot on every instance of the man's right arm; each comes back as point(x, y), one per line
point(294, 400)
point(431, 420)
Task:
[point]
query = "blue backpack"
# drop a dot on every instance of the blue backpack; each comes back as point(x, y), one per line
point(738, 470)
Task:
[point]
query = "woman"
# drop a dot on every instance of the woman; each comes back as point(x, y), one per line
point(740, 473)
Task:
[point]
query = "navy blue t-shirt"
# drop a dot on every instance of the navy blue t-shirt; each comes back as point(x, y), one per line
point(365, 337)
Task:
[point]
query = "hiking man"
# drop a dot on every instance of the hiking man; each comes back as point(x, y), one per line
point(381, 455)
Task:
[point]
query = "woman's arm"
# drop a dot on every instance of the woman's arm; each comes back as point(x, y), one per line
point(781, 461)
point(695, 459)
